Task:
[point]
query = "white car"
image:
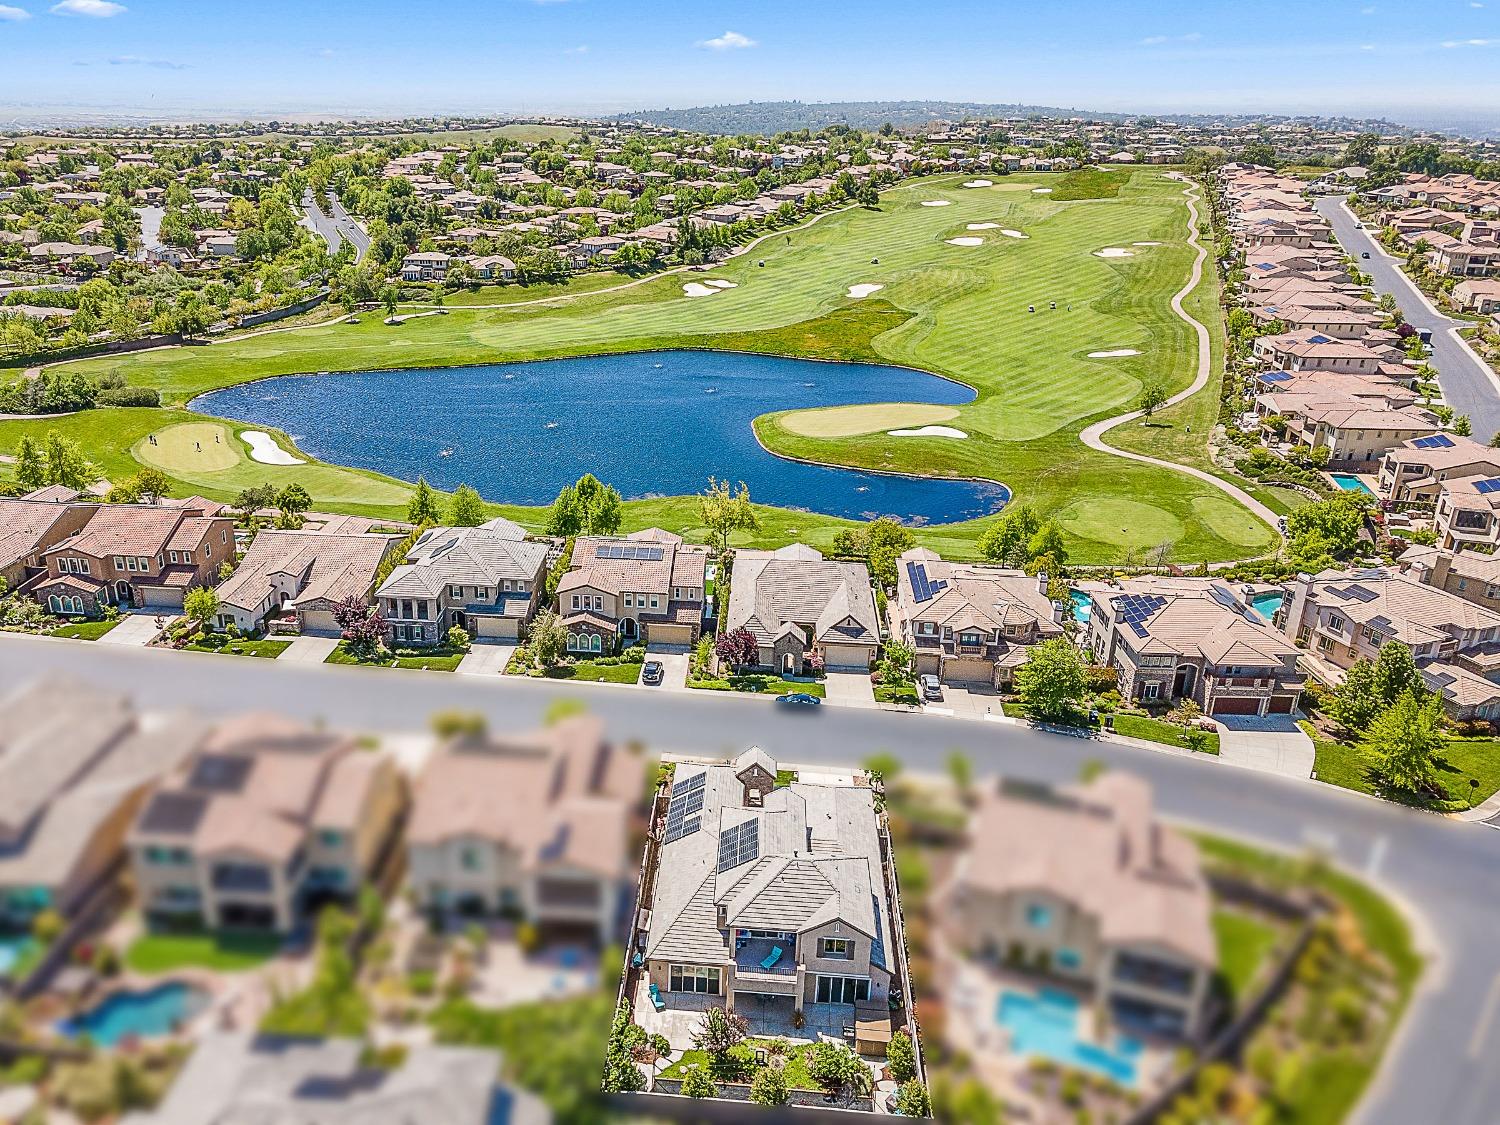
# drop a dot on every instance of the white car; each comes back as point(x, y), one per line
point(932, 687)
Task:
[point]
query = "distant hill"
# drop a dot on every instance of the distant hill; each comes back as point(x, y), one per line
point(780, 117)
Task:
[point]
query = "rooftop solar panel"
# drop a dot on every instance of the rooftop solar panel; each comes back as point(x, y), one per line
point(1490, 484)
point(173, 814)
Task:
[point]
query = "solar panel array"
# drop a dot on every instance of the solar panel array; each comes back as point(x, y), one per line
point(1276, 377)
point(684, 807)
point(739, 844)
point(628, 551)
point(1436, 441)
point(1319, 340)
point(1488, 485)
point(1133, 609)
point(923, 589)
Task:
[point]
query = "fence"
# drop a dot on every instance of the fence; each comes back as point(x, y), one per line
point(282, 313)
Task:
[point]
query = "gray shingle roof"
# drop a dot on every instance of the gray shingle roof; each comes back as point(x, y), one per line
point(464, 556)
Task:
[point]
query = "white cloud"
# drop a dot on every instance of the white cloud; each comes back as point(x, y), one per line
point(581, 49)
point(94, 9)
point(13, 15)
point(1476, 4)
point(1450, 43)
point(729, 41)
point(1367, 46)
point(326, 52)
point(1367, 11)
point(140, 60)
point(1158, 40)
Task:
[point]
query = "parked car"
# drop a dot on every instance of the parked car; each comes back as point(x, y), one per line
point(651, 672)
point(1365, 254)
point(798, 699)
point(932, 687)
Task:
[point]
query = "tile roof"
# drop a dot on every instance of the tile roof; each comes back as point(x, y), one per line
point(322, 565)
point(797, 585)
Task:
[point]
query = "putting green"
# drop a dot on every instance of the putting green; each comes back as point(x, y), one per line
point(871, 418)
point(191, 447)
point(1121, 523)
point(1229, 520)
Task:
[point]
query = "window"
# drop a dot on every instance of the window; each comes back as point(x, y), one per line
point(1150, 691)
point(596, 643)
point(1038, 917)
point(224, 537)
point(130, 562)
point(836, 949)
point(422, 609)
point(1067, 959)
point(599, 602)
point(655, 602)
point(330, 838)
point(172, 555)
point(455, 591)
point(843, 990)
point(575, 602)
point(572, 642)
point(694, 978)
point(119, 563)
point(630, 599)
point(145, 565)
point(469, 859)
point(1336, 623)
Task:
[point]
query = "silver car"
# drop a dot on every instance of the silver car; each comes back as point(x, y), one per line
point(932, 687)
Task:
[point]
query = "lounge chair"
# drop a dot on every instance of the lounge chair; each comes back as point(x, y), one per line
point(656, 1000)
point(637, 961)
point(771, 958)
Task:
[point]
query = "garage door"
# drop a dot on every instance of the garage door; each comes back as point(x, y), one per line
point(503, 628)
point(1280, 705)
point(320, 623)
point(1237, 705)
point(846, 656)
point(662, 634)
point(158, 597)
point(968, 670)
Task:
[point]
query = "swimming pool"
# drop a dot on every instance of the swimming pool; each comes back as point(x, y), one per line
point(1350, 483)
point(1046, 1024)
point(1083, 605)
point(146, 1015)
point(14, 947)
point(1267, 604)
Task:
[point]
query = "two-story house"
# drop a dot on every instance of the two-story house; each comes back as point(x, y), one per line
point(967, 623)
point(645, 587)
point(134, 555)
point(1084, 885)
point(29, 526)
point(306, 573)
point(1171, 639)
point(798, 604)
point(1467, 512)
point(534, 826)
point(487, 579)
point(425, 265)
point(264, 824)
point(1412, 473)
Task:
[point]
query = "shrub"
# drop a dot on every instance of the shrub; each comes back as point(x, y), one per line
point(912, 1099)
point(458, 638)
point(528, 937)
point(47, 926)
point(423, 982)
point(769, 1086)
point(128, 396)
point(902, 1057)
point(697, 1084)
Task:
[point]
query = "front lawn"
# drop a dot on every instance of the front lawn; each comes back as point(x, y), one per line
point(595, 672)
point(84, 630)
point(1244, 942)
point(238, 646)
point(439, 658)
point(1353, 765)
point(757, 684)
point(1133, 726)
point(896, 693)
point(222, 952)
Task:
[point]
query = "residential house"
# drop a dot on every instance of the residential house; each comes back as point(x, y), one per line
point(1297, 351)
point(534, 826)
point(134, 555)
point(646, 587)
point(29, 526)
point(75, 766)
point(1467, 511)
point(799, 605)
point(967, 623)
point(1357, 425)
point(1412, 472)
point(244, 1076)
point(1085, 886)
point(425, 265)
point(1172, 639)
point(487, 579)
point(302, 573)
point(264, 824)
point(1482, 297)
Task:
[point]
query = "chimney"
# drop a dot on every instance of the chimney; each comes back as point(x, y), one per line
point(1041, 582)
point(1438, 575)
point(1301, 590)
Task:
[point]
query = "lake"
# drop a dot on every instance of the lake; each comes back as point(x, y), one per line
point(649, 423)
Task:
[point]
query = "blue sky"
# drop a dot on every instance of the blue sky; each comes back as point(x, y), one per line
point(381, 56)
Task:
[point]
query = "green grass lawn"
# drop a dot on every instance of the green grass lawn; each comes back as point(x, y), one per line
point(84, 630)
point(436, 659)
point(758, 685)
point(1244, 942)
point(592, 671)
point(959, 311)
point(224, 953)
point(1354, 766)
point(264, 649)
point(795, 1070)
point(1158, 730)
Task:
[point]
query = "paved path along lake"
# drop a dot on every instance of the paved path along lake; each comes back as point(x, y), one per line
point(650, 423)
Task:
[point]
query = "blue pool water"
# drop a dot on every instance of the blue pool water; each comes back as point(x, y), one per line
point(1047, 1024)
point(12, 948)
point(1083, 605)
point(144, 1015)
point(1350, 483)
point(649, 423)
point(1267, 604)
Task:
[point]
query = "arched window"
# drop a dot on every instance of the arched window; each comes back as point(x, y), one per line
point(597, 643)
point(77, 605)
point(572, 642)
point(54, 603)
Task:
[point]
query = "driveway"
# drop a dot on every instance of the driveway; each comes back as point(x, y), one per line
point(969, 700)
point(1274, 744)
point(849, 689)
point(674, 665)
point(1469, 386)
point(487, 658)
point(137, 630)
point(308, 650)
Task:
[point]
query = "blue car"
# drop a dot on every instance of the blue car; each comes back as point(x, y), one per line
point(799, 699)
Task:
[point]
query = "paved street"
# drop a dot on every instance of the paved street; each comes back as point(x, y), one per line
point(1469, 386)
point(1440, 1068)
point(337, 228)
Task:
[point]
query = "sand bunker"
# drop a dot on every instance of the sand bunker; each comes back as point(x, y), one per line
point(983, 226)
point(1113, 252)
point(1145, 244)
point(980, 183)
point(698, 289)
point(965, 240)
point(936, 202)
point(1113, 354)
point(1041, 191)
point(864, 289)
point(1014, 234)
point(721, 284)
point(263, 448)
point(929, 431)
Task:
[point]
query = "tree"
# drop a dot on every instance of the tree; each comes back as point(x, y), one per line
point(880, 543)
point(719, 1030)
point(912, 1099)
point(1053, 680)
point(586, 507)
point(423, 506)
point(697, 1084)
point(901, 1056)
point(835, 1067)
point(1395, 673)
point(1152, 395)
point(566, 517)
point(738, 648)
point(1006, 540)
point(31, 464)
point(1355, 703)
point(1405, 740)
point(150, 485)
point(362, 624)
point(724, 511)
point(253, 499)
point(201, 604)
point(548, 639)
point(388, 297)
point(1046, 544)
point(465, 508)
point(65, 463)
point(1462, 426)
point(769, 1087)
point(291, 502)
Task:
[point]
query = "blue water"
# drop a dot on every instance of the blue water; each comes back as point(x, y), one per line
point(145, 1015)
point(650, 423)
point(1083, 605)
point(12, 948)
point(1047, 1024)
point(1350, 483)
point(1267, 604)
